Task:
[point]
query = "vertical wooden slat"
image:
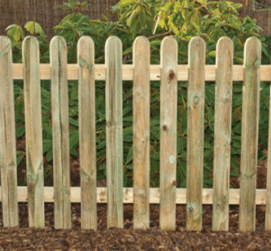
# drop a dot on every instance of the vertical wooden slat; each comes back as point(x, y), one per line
point(222, 134)
point(268, 178)
point(87, 132)
point(33, 130)
point(8, 162)
point(195, 133)
point(168, 132)
point(249, 138)
point(114, 138)
point(141, 131)
point(60, 124)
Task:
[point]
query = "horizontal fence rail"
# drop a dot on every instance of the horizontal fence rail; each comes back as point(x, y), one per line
point(141, 72)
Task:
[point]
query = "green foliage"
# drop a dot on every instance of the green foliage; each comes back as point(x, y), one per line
point(73, 5)
point(155, 19)
point(210, 20)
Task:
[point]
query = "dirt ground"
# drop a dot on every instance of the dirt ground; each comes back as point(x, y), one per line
point(262, 4)
point(24, 238)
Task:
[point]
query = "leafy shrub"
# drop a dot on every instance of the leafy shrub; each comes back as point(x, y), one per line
point(155, 19)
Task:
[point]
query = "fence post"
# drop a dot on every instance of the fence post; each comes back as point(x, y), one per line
point(60, 126)
point(168, 132)
point(8, 163)
point(141, 132)
point(249, 138)
point(114, 131)
point(222, 134)
point(195, 133)
point(86, 63)
point(33, 131)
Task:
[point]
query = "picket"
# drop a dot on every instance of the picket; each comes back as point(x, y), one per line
point(141, 73)
point(141, 132)
point(222, 134)
point(168, 133)
point(60, 128)
point(249, 137)
point(195, 133)
point(33, 132)
point(87, 132)
point(7, 137)
point(114, 138)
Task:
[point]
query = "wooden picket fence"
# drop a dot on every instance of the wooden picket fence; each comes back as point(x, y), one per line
point(141, 73)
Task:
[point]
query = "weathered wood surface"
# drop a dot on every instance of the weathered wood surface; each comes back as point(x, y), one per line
point(8, 163)
point(114, 131)
point(168, 133)
point(33, 132)
point(195, 133)
point(127, 72)
point(222, 134)
point(249, 138)
point(141, 132)
point(87, 132)
point(128, 195)
point(60, 129)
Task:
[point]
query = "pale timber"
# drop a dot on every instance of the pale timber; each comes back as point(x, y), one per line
point(87, 141)
point(249, 137)
point(33, 132)
point(8, 163)
point(195, 133)
point(168, 133)
point(127, 72)
point(60, 129)
point(114, 138)
point(222, 134)
point(141, 132)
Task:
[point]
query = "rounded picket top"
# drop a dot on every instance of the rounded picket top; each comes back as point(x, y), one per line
point(224, 43)
point(196, 45)
point(84, 43)
point(59, 42)
point(224, 46)
point(30, 41)
point(141, 48)
point(141, 39)
point(252, 49)
point(169, 41)
point(169, 50)
point(141, 42)
point(113, 43)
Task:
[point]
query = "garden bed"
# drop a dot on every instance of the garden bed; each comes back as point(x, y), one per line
point(24, 238)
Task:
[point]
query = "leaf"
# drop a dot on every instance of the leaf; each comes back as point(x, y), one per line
point(129, 157)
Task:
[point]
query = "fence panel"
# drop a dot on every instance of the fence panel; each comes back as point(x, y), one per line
point(141, 72)
point(222, 134)
point(8, 163)
point(60, 126)
point(87, 132)
point(114, 131)
point(141, 132)
point(195, 133)
point(249, 137)
point(168, 133)
point(33, 131)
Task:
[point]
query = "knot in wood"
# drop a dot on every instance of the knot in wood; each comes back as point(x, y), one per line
point(171, 74)
point(164, 128)
point(174, 183)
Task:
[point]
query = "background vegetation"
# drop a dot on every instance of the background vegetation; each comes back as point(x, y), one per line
point(155, 19)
